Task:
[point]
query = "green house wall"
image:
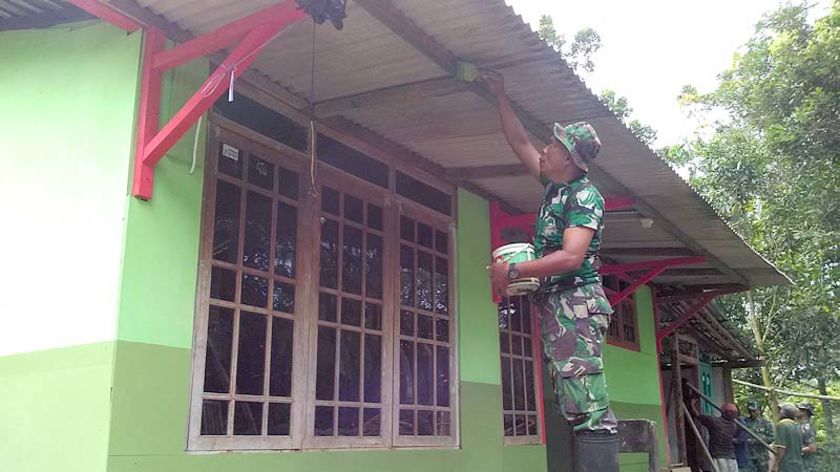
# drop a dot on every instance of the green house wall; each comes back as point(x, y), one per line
point(123, 397)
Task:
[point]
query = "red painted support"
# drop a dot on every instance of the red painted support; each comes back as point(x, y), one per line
point(619, 203)
point(675, 325)
point(647, 277)
point(154, 41)
point(223, 36)
point(235, 64)
point(107, 13)
point(651, 264)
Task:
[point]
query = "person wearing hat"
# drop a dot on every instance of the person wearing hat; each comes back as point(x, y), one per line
point(573, 309)
point(809, 436)
point(788, 441)
point(758, 458)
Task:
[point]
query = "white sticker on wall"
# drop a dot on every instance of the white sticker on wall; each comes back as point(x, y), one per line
point(230, 152)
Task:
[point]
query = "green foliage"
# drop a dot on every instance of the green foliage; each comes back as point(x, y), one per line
point(771, 169)
point(619, 106)
point(579, 53)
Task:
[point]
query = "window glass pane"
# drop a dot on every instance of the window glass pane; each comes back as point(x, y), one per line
point(329, 254)
point(532, 425)
point(441, 285)
point(325, 381)
point(407, 276)
point(504, 343)
point(370, 422)
point(527, 349)
point(516, 344)
point(214, 417)
point(508, 425)
point(223, 284)
point(230, 160)
point(324, 421)
point(352, 161)
point(407, 422)
point(250, 368)
point(507, 385)
point(424, 326)
point(373, 368)
point(424, 281)
point(423, 194)
point(515, 317)
point(218, 354)
point(406, 372)
point(279, 419)
point(257, 231)
point(247, 418)
point(442, 354)
point(226, 222)
point(330, 201)
point(254, 290)
point(263, 120)
point(285, 241)
point(425, 423)
point(521, 430)
point(525, 308)
point(282, 337)
point(531, 404)
point(373, 267)
point(425, 374)
point(261, 172)
point(441, 242)
point(406, 229)
point(348, 421)
point(442, 329)
point(406, 323)
point(327, 307)
point(353, 209)
point(424, 235)
point(518, 385)
point(443, 425)
point(283, 298)
point(351, 279)
point(288, 183)
point(349, 366)
point(374, 216)
point(373, 316)
point(351, 312)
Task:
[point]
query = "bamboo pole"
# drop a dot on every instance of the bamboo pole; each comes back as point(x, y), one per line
point(700, 439)
point(788, 392)
point(737, 422)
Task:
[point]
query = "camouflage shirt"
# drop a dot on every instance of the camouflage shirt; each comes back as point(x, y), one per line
point(567, 205)
point(809, 437)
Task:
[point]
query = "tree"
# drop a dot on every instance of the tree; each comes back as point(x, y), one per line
point(771, 168)
point(579, 54)
point(619, 106)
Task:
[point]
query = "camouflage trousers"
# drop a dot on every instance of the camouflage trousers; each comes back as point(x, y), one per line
point(574, 323)
point(759, 461)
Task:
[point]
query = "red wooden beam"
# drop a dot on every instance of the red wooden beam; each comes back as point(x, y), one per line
point(223, 36)
point(647, 277)
point(651, 264)
point(239, 60)
point(107, 13)
point(154, 41)
point(675, 325)
point(619, 203)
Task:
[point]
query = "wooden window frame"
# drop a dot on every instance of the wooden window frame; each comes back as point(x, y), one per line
point(628, 304)
point(306, 298)
point(536, 360)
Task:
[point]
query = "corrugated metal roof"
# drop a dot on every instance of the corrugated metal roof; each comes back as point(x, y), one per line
point(454, 127)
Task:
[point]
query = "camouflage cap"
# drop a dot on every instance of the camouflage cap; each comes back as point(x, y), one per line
point(807, 407)
point(581, 140)
point(753, 405)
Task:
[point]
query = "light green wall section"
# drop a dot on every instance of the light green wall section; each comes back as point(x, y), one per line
point(478, 328)
point(524, 458)
point(54, 409)
point(162, 235)
point(67, 111)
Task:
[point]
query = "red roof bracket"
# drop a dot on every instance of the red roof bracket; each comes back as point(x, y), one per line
point(258, 30)
point(647, 277)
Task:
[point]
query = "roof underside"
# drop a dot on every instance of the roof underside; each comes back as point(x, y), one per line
point(387, 71)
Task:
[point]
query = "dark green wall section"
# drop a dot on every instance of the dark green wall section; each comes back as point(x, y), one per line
point(54, 409)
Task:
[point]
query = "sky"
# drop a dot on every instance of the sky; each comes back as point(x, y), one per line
point(651, 48)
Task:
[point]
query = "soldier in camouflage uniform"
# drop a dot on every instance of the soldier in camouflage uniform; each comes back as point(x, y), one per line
point(809, 436)
point(574, 312)
point(759, 456)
